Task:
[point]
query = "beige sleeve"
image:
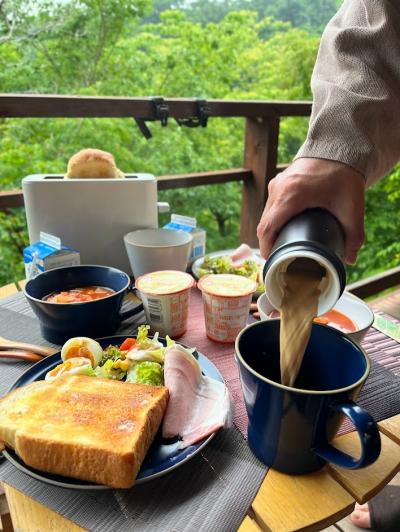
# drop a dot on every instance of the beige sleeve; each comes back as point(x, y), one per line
point(356, 87)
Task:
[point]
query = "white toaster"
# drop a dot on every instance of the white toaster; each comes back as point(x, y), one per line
point(91, 215)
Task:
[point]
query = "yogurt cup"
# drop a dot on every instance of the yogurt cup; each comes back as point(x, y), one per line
point(165, 296)
point(226, 300)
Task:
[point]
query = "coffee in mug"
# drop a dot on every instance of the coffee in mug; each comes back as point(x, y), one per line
point(291, 428)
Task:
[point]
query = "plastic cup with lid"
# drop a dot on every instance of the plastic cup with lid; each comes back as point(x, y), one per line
point(226, 303)
point(165, 296)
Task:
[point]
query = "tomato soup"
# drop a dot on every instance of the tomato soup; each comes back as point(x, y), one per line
point(333, 318)
point(79, 295)
point(337, 320)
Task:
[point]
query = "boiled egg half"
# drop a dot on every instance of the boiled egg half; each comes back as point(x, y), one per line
point(83, 347)
point(74, 366)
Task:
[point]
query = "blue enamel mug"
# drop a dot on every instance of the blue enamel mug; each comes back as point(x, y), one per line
point(291, 428)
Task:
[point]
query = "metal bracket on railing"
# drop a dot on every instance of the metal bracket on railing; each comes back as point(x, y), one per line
point(200, 120)
point(161, 112)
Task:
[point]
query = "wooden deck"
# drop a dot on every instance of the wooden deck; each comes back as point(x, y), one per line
point(390, 304)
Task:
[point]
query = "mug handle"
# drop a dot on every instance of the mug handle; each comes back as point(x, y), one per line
point(369, 439)
point(131, 312)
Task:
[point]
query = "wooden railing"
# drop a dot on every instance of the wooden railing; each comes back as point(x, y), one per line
point(376, 283)
point(260, 142)
point(259, 154)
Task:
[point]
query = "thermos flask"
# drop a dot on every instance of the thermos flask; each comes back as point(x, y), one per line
point(316, 235)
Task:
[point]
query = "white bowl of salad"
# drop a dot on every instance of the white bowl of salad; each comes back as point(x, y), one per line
point(243, 261)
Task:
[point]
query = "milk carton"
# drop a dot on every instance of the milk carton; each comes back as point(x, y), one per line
point(188, 224)
point(47, 254)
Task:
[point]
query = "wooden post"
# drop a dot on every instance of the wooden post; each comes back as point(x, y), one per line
point(260, 156)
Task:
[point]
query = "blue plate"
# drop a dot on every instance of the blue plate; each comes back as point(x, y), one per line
point(163, 456)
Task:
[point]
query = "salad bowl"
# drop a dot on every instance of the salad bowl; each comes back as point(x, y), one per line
point(220, 262)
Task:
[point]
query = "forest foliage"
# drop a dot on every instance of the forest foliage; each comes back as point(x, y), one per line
point(226, 49)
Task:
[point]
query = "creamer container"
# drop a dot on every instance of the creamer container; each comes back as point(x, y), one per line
point(47, 254)
point(317, 237)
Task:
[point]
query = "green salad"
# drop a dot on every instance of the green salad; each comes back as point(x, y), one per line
point(139, 360)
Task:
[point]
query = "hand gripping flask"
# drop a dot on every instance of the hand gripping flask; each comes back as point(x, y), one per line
point(316, 237)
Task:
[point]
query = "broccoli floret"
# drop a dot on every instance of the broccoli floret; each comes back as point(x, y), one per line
point(108, 371)
point(111, 353)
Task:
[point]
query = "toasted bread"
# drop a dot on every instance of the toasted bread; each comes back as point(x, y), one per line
point(88, 428)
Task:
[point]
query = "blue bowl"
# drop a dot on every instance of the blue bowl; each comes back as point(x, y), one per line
point(61, 321)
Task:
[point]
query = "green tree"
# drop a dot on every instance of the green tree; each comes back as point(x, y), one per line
point(64, 45)
point(310, 14)
point(381, 249)
point(239, 57)
point(242, 56)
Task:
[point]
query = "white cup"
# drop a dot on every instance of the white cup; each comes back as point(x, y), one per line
point(151, 250)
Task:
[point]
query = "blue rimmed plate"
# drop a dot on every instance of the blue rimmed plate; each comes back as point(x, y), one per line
point(163, 456)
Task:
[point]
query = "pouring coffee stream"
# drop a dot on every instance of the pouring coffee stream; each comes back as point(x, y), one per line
point(298, 309)
point(304, 277)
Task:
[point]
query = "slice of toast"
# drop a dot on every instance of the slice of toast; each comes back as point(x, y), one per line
point(88, 428)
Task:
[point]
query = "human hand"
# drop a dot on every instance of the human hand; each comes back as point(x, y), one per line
point(310, 183)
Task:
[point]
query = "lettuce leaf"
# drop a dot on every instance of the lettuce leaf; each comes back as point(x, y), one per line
point(142, 334)
point(149, 355)
point(150, 373)
point(111, 353)
point(89, 372)
point(169, 341)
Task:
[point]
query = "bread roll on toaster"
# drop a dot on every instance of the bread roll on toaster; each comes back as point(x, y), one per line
point(92, 164)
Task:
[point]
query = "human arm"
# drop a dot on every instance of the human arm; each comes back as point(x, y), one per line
point(310, 183)
point(356, 89)
point(354, 128)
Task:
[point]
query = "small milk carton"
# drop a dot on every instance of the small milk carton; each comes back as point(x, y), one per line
point(188, 224)
point(47, 254)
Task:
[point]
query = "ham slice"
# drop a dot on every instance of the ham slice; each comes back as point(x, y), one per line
point(242, 253)
point(198, 405)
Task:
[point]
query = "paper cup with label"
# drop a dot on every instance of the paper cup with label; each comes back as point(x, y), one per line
point(226, 300)
point(165, 295)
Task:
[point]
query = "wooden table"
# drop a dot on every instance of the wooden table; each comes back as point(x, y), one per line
point(283, 503)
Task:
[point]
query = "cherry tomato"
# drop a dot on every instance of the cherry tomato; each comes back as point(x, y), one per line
point(128, 344)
